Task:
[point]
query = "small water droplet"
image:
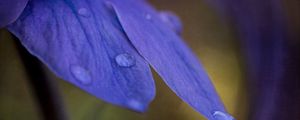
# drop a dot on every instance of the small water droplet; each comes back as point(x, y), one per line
point(125, 60)
point(218, 115)
point(81, 74)
point(136, 105)
point(171, 20)
point(83, 12)
point(148, 16)
point(108, 4)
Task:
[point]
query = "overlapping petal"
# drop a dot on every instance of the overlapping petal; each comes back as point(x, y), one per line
point(10, 10)
point(83, 43)
point(271, 56)
point(169, 56)
point(101, 47)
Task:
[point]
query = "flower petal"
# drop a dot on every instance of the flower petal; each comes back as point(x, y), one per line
point(271, 55)
point(169, 56)
point(83, 43)
point(10, 10)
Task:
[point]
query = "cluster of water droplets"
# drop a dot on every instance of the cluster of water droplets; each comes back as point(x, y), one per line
point(126, 60)
point(84, 77)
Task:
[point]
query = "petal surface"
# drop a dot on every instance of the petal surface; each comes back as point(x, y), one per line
point(83, 43)
point(10, 10)
point(168, 55)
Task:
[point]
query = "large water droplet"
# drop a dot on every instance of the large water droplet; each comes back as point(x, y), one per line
point(218, 115)
point(81, 74)
point(136, 105)
point(83, 12)
point(125, 60)
point(171, 20)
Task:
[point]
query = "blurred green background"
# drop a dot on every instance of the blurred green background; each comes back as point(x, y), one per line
point(204, 31)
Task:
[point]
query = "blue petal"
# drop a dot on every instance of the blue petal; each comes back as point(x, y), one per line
point(272, 60)
point(168, 55)
point(83, 43)
point(10, 10)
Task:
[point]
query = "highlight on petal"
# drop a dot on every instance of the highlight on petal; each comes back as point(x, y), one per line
point(10, 10)
point(168, 55)
point(84, 44)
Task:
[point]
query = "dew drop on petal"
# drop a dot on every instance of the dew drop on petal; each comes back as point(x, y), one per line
point(218, 115)
point(108, 4)
point(136, 105)
point(83, 12)
point(171, 20)
point(80, 74)
point(148, 16)
point(125, 60)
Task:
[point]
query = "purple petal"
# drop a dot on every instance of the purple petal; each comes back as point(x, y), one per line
point(169, 56)
point(264, 36)
point(83, 43)
point(10, 10)
point(272, 57)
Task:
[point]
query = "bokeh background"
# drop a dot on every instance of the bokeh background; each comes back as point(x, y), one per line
point(210, 37)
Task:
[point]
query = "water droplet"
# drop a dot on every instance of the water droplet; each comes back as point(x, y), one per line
point(218, 115)
point(136, 105)
point(81, 74)
point(148, 16)
point(125, 60)
point(83, 12)
point(108, 4)
point(171, 20)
